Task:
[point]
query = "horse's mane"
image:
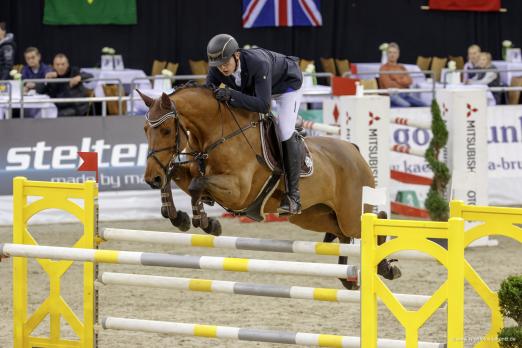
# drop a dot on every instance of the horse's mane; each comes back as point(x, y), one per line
point(191, 84)
point(195, 84)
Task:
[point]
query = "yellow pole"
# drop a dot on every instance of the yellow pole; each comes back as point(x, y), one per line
point(19, 264)
point(89, 269)
point(456, 283)
point(368, 274)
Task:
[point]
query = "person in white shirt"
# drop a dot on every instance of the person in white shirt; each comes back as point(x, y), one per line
point(488, 78)
point(472, 63)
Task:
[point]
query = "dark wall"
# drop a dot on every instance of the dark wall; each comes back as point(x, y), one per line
point(177, 30)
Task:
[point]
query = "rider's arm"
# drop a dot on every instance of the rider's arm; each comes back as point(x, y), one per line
point(260, 102)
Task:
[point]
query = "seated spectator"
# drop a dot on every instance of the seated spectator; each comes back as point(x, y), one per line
point(397, 80)
point(34, 68)
point(488, 78)
point(472, 63)
point(7, 51)
point(72, 89)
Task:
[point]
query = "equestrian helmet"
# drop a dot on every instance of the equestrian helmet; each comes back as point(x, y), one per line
point(220, 48)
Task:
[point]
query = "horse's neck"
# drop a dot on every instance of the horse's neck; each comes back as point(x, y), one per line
point(208, 121)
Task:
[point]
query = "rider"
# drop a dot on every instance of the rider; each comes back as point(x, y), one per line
point(252, 77)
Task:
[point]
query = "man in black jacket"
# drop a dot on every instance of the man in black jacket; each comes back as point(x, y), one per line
point(72, 89)
point(7, 51)
point(252, 78)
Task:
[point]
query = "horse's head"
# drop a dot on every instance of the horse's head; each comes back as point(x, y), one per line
point(163, 138)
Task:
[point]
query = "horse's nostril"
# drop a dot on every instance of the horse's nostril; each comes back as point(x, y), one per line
point(157, 179)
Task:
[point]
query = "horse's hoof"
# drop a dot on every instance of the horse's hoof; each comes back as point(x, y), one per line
point(349, 284)
point(388, 271)
point(182, 221)
point(214, 227)
point(165, 212)
point(396, 272)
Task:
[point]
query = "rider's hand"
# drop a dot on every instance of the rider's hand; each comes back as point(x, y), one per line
point(222, 94)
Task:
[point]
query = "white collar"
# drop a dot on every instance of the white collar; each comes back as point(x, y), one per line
point(237, 73)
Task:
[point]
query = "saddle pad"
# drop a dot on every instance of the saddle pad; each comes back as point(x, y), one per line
point(272, 154)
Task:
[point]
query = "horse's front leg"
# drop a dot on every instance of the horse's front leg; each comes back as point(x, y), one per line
point(199, 217)
point(196, 189)
point(179, 218)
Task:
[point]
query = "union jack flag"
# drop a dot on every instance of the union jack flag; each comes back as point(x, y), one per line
point(281, 13)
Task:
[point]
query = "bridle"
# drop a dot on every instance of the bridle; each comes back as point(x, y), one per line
point(198, 156)
point(170, 167)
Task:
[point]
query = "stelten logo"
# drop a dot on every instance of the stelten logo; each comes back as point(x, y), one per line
point(471, 110)
point(373, 118)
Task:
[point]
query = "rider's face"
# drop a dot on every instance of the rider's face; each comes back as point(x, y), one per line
point(228, 68)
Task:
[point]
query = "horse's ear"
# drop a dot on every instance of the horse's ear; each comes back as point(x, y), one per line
point(165, 102)
point(146, 99)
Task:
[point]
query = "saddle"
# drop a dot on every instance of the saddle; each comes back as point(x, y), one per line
point(272, 151)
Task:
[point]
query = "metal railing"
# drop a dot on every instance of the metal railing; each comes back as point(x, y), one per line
point(120, 98)
point(434, 87)
point(9, 87)
point(135, 82)
point(158, 77)
point(474, 71)
point(173, 79)
point(396, 90)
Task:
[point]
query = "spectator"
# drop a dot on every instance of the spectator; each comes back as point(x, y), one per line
point(7, 51)
point(72, 89)
point(397, 80)
point(34, 69)
point(472, 63)
point(488, 78)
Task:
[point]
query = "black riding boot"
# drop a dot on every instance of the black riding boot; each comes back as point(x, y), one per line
point(291, 202)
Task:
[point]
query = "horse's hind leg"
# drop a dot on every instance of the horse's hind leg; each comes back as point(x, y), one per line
point(385, 268)
point(322, 218)
point(343, 260)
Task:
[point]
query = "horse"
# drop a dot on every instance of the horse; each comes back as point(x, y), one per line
point(224, 146)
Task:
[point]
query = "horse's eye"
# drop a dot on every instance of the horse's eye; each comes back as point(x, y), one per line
point(165, 131)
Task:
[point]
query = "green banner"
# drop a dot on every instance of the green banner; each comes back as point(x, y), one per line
point(66, 12)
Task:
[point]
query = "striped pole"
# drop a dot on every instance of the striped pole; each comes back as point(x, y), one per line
point(408, 150)
point(240, 243)
point(244, 334)
point(321, 127)
point(238, 288)
point(181, 261)
point(411, 123)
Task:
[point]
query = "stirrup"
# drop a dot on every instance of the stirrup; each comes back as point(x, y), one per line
point(289, 206)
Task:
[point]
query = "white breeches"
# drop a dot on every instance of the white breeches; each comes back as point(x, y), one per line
point(287, 106)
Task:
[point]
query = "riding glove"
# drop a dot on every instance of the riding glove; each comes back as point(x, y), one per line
point(223, 94)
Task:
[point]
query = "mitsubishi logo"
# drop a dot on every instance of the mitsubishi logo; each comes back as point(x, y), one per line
point(471, 110)
point(373, 118)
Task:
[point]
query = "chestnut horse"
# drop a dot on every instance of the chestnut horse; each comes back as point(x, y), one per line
point(193, 122)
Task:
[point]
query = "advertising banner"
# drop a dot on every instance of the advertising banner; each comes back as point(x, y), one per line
point(47, 149)
point(504, 164)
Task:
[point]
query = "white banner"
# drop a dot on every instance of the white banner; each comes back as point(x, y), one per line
point(504, 134)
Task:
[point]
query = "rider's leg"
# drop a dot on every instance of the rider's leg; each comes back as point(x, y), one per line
point(288, 106)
